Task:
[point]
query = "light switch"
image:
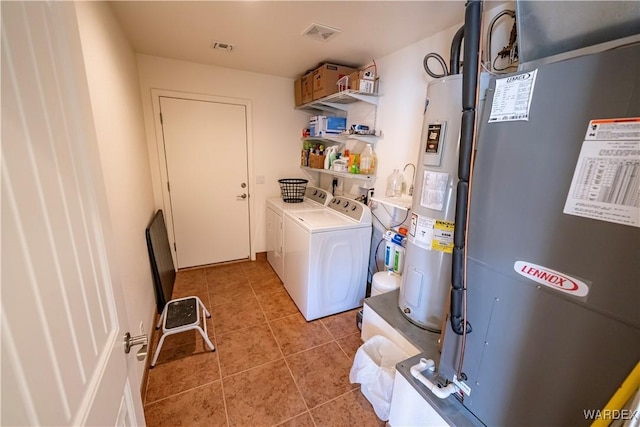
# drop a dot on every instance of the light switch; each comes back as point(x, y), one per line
point(259, 179)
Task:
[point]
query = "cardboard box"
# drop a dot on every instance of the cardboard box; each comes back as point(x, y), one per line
point(366, 74)
point(358, 80)
point(297, 91)
point(325, 78)
point(307, 88)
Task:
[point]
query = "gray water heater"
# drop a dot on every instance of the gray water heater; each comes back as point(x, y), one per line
point(427, 269)
point(426, 278)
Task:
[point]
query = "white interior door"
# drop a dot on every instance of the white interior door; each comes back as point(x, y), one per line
point(206, 154)
point(62, 355)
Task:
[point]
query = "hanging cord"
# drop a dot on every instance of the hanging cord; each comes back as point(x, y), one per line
point(401, 222)
point(440, 59)
point(487, 59)
point(375, 257)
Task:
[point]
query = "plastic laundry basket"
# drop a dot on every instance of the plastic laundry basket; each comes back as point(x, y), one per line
point(293, 189)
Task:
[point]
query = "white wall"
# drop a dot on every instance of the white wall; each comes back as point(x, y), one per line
point(115, 99)
point(276, 132)
point(403, 89)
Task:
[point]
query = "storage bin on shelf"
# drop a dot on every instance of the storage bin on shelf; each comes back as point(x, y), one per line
point(316, 161)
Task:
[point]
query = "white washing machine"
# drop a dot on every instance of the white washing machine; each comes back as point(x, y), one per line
point(327, 256)
point(314, 198)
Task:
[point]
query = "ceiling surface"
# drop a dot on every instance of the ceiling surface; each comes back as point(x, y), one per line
point(267, 35)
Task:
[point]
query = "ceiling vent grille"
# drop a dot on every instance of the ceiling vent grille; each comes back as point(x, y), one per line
point(321, 32)
point(227, 47)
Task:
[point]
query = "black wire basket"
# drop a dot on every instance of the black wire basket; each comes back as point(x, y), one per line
point(293, 189)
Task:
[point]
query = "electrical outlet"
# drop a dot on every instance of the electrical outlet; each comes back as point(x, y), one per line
point(141, 327)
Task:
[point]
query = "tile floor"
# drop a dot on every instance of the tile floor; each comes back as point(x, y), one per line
point(270, 367)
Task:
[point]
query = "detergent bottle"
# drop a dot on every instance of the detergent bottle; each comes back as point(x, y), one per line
point(368, 161)
point(330, 156)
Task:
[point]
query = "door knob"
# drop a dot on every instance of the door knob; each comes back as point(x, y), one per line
point(242, 196)
point(243, 185)
point(130, 341)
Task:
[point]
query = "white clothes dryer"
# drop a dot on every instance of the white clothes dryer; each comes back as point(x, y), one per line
point(327, 257)
point(314, 198)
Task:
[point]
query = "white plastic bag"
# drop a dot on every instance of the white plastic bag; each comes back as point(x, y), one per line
point(374, 368)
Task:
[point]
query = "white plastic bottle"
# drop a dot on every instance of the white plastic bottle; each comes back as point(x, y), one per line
point(327, 159)
point(367, 161)
point(394, 184)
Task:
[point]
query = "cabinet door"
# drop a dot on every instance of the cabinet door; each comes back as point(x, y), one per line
point(274, 242)
point(279, 235)
point(408, 408)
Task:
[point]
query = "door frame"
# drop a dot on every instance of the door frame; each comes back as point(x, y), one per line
point(156, 94)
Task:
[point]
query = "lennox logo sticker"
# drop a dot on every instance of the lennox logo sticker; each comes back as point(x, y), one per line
point(519, 77)
point(551, 278)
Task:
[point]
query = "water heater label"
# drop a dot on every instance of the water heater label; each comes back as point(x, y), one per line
point(443, 236)
point(434, 190)
point(551, 278)
point(606, 180)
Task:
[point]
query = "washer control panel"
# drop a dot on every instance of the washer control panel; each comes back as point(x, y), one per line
point(349, 207)
point(318, 195)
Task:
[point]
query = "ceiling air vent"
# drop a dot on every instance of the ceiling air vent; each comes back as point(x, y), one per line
point(227, 47)
point(320, 32)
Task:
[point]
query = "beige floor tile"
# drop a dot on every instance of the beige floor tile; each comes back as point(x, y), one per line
point(262, 396)
point(267, 285)
point(224, 272)
point(249, 306)
point(190, 280)
point(351, 409)
point(238, 315)
point(230, 292)
point(303, 420)
point(202, 406)
point(294, 334)
point(276, 305)
point(246, 348)
point(180, 369)
point(221, 280)
point(322, 373)
point(350, 344)
point(342, 324)
point(258, 270)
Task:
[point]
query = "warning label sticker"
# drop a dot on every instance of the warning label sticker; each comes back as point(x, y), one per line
point(421, 231)
point(443, 236)
point(606, 180)
point(431, 234)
